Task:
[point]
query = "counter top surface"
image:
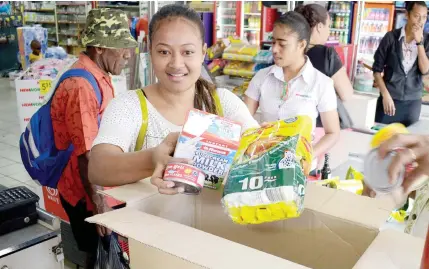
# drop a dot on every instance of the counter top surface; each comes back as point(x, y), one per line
point(24, 238)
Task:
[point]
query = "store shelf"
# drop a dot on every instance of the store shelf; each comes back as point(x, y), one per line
point(41, 22)
point(252, 14)
point(71, 4)
point(228, 8)
point(70, 22)
point(70, 13)
point(340, 11)
point(74, 35)
point(375, 21)
point(229, 25)
point(240, 73)
point(118, 6)
point(251, 29)
point(237, 57)
point(39, 10)
point(339, 30)
point(372, 34)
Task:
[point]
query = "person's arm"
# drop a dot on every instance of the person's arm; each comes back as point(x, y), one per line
point(113, 161)
point(331, 125)
point(422, 52)
point(252, 105)
point(342, 84)
point(423, 60)
point(253, 93)
point(110, 166)
point(380, 58)
point(236, 110)
point(327, 107)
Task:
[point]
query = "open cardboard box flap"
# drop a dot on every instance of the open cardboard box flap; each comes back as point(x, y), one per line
point(182, 231)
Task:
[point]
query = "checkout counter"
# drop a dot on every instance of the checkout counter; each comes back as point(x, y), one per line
point(38, 244)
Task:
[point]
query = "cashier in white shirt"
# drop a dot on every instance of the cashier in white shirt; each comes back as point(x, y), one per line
point(293, 86)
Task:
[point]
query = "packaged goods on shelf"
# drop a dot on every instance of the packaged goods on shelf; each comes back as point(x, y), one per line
point(27, 34)
point(240, 52)
point(42, 5)
point(264, 57)
point(56, 53)
point(217, 49)
point(267, 178)
point(242, 69)
point(240, 90)
point(46, 69)
point(216, 66)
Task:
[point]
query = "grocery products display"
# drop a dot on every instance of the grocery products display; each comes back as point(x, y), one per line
point(341, 22)
point(377, 20)
point(227, 19)
point(267, 179)
point(211, 142)
point(71, 18)
point(42, 13)
point(46, 68)
point(252, 21)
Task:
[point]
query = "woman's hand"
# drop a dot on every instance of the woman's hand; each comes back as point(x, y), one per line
point(415, 149)
point(388, 105)
point(162, 155)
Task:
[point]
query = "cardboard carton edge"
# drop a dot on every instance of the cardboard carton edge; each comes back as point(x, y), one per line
point(170, 237)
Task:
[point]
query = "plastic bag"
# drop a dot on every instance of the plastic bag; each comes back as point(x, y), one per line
point(110, 254)
point(268, 176)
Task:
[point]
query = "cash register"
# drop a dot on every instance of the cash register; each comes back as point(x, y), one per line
point(17, 209)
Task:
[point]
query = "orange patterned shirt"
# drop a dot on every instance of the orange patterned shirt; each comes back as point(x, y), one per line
point(74, 113)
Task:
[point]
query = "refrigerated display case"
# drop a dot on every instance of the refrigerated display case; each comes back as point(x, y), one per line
point(376, 21)
point(341, 14)
point(227, 19)
point(252, 14)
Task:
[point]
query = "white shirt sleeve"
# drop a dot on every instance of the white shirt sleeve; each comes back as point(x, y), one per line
point(235, 109)
point(254, 89)
point(327, 97)
point(121, 122)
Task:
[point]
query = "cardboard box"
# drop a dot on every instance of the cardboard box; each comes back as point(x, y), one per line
point(334, 231)
point(361, 108)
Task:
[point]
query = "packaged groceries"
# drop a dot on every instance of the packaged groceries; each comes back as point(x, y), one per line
point(211, 142)
point(267, 179)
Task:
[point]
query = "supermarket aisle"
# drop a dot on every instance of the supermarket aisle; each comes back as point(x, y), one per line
point(12, 172)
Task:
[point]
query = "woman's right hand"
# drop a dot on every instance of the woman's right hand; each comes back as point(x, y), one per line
point(388, 105)
point(416, 149)
point(162, 155)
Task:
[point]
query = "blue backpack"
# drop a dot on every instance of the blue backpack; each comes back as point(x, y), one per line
point(41, 158)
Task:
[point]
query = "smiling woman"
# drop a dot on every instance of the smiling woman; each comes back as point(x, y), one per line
point(177, 52)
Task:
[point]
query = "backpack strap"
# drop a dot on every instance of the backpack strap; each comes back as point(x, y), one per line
point(89, 77)
point(143, 128)
point(217, 103)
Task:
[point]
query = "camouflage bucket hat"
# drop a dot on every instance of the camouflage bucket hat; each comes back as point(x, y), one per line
point(107, 28)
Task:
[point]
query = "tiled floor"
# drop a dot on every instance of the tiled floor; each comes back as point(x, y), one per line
point(12, 172)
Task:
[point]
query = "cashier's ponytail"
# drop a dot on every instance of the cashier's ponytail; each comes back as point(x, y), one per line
point(204, 90)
